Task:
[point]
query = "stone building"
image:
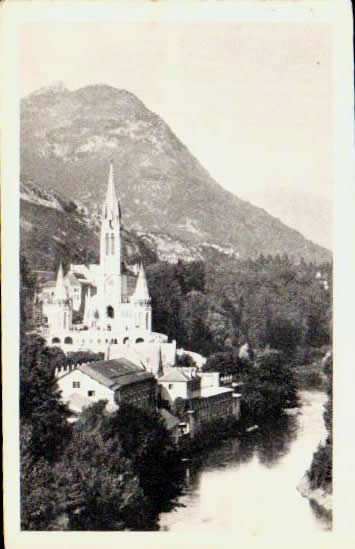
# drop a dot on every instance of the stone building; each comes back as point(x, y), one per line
point(197, 397)
point(117, 381)
point(115, 306)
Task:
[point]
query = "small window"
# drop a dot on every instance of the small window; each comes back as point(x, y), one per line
point(91, 393)
point(171, 385)
point(76, 384)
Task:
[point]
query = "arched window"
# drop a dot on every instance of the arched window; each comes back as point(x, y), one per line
point(68, 340)
point(139, 340)
point(112, 244)
point(126, 340)
point(56, 340)
point(110, 312)
point(107, 244)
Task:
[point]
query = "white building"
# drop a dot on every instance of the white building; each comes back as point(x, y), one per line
point(116, 306)
point(116, 381)
point(198, 395)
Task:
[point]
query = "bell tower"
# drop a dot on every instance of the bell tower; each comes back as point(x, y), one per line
point(110, 249)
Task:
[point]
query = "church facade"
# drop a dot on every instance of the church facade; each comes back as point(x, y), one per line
point(114, 308)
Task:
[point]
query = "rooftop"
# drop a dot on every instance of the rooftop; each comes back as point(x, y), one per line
point(207, 392)
point(115, 373)
point(179, 374)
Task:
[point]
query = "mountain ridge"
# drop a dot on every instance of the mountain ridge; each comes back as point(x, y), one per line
point(68, 139)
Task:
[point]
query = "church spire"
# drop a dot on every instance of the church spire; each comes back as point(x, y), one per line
point(141, 292)
point(110, 240)
point(60, 290)
point(111, 209)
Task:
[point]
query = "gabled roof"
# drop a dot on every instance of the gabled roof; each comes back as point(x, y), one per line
point(179, 374)
point(115, 373)
point(141, 293)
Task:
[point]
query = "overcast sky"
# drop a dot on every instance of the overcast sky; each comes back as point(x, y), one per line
point(252, 101)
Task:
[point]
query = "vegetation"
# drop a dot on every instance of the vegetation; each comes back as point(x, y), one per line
point(320, 472)
point(280, 309)
point(185, 360)
point(64, 484)
point(269, 301)
point(269, 387)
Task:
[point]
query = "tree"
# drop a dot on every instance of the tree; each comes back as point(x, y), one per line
point(270, 387)
point(191, 276)
point(39, 504)
point(27, 288)
point(146, 441)
point(222, 362)
point(96, 482)
point(40, 403)
point(186, 361)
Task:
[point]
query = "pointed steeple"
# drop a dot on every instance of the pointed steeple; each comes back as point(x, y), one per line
point(111, 209)
point(60, 290)
point(141, 292)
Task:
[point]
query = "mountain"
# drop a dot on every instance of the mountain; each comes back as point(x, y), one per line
point(75, 231)
point(68, 139)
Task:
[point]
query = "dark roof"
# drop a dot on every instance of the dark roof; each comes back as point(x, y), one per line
point(115, 373)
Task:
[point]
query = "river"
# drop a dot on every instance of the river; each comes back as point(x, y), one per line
point(249, 486)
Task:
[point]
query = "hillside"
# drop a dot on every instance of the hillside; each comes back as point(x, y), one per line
point(74, 236)
point(167, 197)
point(54, 230)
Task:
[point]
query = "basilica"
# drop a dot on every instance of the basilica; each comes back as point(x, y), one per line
point(99, 308)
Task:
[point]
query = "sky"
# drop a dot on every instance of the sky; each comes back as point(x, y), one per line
point(251, 100)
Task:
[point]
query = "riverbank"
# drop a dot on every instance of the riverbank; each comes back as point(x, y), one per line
point(238, 486)
point(322, 498)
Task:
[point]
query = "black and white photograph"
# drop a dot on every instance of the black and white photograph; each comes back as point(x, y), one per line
point(176, 237)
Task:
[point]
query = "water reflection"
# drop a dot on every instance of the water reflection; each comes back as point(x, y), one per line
point(240, 485)
point(274, 440)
